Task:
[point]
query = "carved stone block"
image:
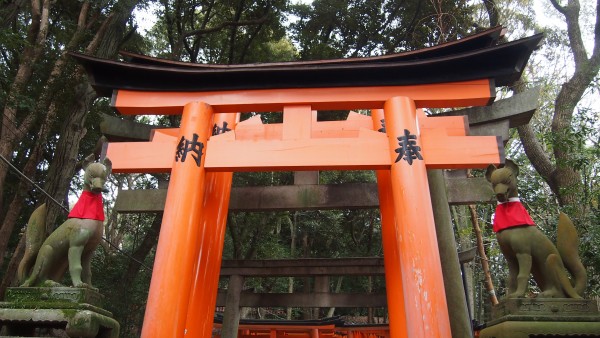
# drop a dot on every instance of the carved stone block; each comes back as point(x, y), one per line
point(533, 317)
point(75, 312)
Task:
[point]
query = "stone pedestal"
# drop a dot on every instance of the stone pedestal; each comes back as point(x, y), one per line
point(551, 317)
point(73, 311)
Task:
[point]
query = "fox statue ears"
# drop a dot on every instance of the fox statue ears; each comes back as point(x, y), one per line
point(90, 159)
point(108, 164)
point(507, 164)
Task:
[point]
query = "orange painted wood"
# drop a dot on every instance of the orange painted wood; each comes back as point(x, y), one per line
point(362, 153)
point(445, 125)
point(178, 245)
point(391, 247)
point(142, 157)
point(348, 128)
point(296, 122)
point(367, 152)
point(424, 296)
point(461, 152)
point(163, 134)
point(441, 95)
point(254, 129)
point(203, 295)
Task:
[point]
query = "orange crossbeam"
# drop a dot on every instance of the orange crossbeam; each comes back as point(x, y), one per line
point(439, 95)
point(341, 145)
point(367, 152)
point(254, 129)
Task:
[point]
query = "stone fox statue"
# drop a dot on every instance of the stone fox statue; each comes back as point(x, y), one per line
point(73, 243)
point(527, 249)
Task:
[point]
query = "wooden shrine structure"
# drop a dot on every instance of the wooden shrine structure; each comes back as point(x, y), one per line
point(398, 141)
point(324, 328)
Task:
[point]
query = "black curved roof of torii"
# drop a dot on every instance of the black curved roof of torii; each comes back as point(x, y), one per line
point(471, 58)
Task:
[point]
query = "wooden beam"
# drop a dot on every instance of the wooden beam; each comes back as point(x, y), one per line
point(321, 299)
point(469, 191)
point(304, 267)
point(305, 197)
point(118, 129)
point(517, 109)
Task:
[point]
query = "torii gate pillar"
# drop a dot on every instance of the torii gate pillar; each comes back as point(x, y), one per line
point(413, 234)
point(178, 243)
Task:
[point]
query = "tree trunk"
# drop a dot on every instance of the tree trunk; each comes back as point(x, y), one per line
point(464, 234)
point(10, 274)
point(14, 209)
point(11, 132)
point(338, 288)
point(292, 254)
point(139, 255)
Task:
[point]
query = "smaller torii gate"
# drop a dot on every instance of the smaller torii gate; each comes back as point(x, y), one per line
point(398, 141)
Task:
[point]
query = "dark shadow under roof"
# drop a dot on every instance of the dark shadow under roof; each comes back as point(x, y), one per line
point(471, 58)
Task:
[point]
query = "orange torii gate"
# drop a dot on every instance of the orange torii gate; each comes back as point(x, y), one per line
point(398, 141)
point(188, 256)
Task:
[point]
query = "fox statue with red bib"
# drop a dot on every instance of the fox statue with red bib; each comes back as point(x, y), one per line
point(73, 243)
point(527, 250)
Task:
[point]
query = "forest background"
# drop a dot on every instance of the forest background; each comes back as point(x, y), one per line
point(50, 122)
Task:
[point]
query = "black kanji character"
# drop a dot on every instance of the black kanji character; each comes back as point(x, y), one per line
point(186, 146)
point(409, 150)
point(220, 130)
point(382, 129)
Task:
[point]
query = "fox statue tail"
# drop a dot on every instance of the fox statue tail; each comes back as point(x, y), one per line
point(34, 237)
point(567, 243)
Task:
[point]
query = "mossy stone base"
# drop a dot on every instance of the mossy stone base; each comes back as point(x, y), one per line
point(74, 310)
point(558, 307)
point(525, 329)
point(533, 317)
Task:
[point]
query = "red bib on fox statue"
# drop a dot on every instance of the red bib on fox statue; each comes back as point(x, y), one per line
point(89, 206)
point(510, 214)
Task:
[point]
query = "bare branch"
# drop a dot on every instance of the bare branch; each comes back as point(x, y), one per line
point(490, 7)
point(241, 23)
point(596, 52)
point(83, 15)
point(537, 156)
point(558, 7)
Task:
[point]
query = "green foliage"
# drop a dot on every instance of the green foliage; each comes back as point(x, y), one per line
point(221, 31)
point(352, 28)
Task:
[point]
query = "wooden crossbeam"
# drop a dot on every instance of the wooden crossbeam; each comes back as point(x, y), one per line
point(306, 197)
point(320, 299)
point(254, 146)
point(356, 266)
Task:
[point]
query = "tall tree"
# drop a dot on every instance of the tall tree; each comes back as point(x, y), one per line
point(559, 162)
point(47, 100)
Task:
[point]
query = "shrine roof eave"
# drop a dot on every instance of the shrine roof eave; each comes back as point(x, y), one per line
point(502, 63)
point(473, 42)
